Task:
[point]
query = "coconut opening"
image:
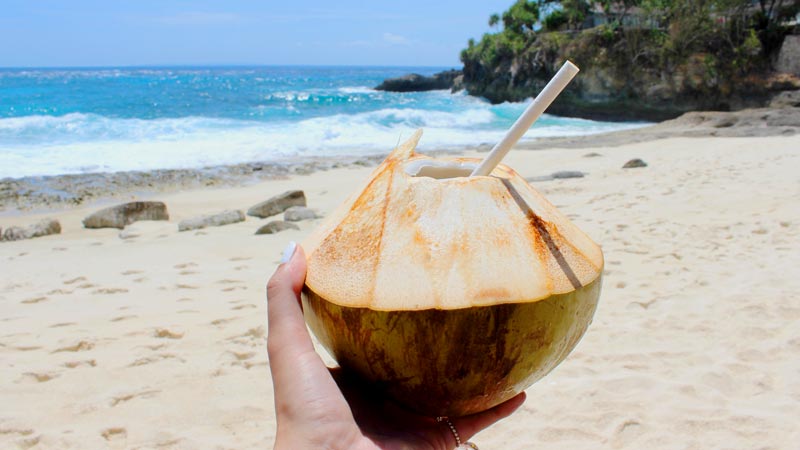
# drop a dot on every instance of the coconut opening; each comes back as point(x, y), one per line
point(439, 170)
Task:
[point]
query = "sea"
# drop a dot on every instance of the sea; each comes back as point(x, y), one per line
point(85, 120)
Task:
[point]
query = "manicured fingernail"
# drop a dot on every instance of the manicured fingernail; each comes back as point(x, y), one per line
point(288, 252)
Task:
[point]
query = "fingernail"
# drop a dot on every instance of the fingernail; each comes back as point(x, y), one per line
point(288, 252)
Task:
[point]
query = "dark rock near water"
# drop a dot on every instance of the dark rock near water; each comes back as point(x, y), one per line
point(298, 213)
point(42, 228)
point(449, 79)
point(125, 214)
point(212, 220)
point(278, 204)
point(634, 163)
point(561, 174)
point(276, 226)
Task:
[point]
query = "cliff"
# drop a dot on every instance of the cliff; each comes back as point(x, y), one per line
point(624, 76)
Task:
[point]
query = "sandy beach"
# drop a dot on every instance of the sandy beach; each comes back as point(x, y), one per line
point(158, 340)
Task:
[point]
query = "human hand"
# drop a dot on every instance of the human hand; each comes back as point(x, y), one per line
point(320, 408)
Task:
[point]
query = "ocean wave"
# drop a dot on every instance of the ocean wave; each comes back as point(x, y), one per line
point(80, 143)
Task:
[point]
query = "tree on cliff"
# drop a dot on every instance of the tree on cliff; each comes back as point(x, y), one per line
point(700, 52)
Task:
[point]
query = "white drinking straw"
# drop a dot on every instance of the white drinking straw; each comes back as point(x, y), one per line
point(532, 112)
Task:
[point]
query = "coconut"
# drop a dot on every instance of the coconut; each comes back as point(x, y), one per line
point(450, 293)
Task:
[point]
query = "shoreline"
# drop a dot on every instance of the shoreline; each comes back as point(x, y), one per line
point(59, 192)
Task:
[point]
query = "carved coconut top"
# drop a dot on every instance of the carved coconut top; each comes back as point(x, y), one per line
point(406, 242)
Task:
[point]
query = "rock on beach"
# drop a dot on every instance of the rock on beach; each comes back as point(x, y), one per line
point(212, 220)
point(276, 226)
point(298, 213)
point(634, 163)
point(278, 204)
point(42, 228)
point(120, 215)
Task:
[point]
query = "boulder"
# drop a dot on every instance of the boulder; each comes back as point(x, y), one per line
point(276, 226)
point(278, 204)
point(125, 214)
point(634, 163)
point(211, 220)
point(567, 174)
point(786, 99)
point(449, 79)
point(42, 228)
point(298, 213)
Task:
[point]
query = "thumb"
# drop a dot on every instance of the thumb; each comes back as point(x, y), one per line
point(287, 335)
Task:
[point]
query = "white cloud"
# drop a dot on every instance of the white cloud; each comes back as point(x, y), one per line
point(395, 39)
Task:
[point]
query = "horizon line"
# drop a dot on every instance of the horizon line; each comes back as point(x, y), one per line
point(195, 65)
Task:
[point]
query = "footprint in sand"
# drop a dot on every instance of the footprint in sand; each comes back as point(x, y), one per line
point(86, 286)
point(220, 322)
point(154, 359)
point(59, 292)
point(139, 280)
point(164, 333)
point(188, 311)
point(241, 267)
point(131, 272)
point(185, 286)
point(229, 281)
point(121, 318)
point(84, 363)
point(234, 288)
point(187, 272)
point(75, 280)
point(248, 306)
point(114, 434)
point(26, 348)
point(185, 265)
point(128, 397)
point(34, 300)
point(63, 324)
point(81, 346)
point(38, 377)
point(109, 291)
point(239, 258)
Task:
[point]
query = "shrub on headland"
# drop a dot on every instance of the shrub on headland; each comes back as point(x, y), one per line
point(650, 59)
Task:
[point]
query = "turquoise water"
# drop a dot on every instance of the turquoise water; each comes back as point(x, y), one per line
point(58, 121)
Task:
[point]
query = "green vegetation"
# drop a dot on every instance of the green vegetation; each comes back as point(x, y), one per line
point(654, 49)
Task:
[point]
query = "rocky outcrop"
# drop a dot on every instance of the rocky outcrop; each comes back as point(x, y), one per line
point(44, 227)
point(278, 204)
point(298, 213)
point(276, 226)
point(211, 220)
point(449, 79)
point(789, 56)
point(610, 86)
point(125, 214)
point(786, 99)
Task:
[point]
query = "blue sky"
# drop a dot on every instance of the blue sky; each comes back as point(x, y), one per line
point(37, 33)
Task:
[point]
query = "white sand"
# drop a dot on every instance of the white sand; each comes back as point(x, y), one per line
point(159, 341)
